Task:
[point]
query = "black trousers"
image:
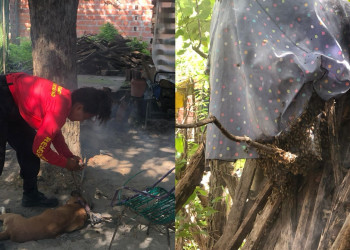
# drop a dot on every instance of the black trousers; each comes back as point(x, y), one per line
point(20, 136)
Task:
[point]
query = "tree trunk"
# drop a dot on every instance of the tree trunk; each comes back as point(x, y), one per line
point(338, 213)
point(262, 222)
point(4, 16)
point(54, 38)
point(53, 34)
point(247, 223)
point(310, 210)
point(235, 216)
point(342, 242)
point(192, 178)
point(217, 221)
point(15, 23)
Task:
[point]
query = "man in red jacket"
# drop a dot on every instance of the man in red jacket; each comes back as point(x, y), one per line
point(32, 113)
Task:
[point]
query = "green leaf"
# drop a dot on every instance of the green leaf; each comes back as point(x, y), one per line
point(181, 52)
point(186, 45)
point(193, 149)
point(239, 163)
point(201, 191)
point(191, 198)
point(179, 32)
point(179, 144)
point(217, 199)
point(180, 164)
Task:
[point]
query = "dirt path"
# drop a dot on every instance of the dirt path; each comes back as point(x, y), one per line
point(114, 154)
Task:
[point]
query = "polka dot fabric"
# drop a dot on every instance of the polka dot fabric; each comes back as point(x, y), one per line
point(266, 59)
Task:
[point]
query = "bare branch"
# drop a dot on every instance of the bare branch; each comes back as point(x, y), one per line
point(199, 52)
point(285, 157)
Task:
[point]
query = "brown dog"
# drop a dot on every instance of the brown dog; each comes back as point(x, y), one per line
point(51, 223)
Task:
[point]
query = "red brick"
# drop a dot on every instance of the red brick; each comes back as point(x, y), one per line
point(134, 23)
point(122, 7)
point(128, 28)
point(134, 34)
point(147, 34)
point(122, 18)
point(146, 18)
point(137, 12)
point(94, 13)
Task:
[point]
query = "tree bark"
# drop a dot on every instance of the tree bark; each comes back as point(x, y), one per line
point(333, 129)
point(342, 242)
point(53, 35)
point(4, 16)
point(316, 224)
point(15, 24)
point(306, 211)
point(54, 38)
point(235, 216)
point(261, 223)
point(217, 221)
point(248, 221)
point(340, 207)
point(282, 232)
point(231, 179)
point(192, 178)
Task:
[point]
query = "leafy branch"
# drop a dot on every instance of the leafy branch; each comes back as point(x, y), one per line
point(193, 23)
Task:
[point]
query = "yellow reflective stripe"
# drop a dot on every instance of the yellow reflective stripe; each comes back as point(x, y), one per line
point(42, 147)
point(53, 91)
point(59, 90)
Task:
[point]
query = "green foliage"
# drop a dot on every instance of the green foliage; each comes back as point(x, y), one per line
point(20, 56)
point(239, 164)
point(193, 23)
point(139, 45)
point(183, 229)
point(192, 46)
point(180, 161)
point(192, 32)
point(107, 32)
point(179, 143)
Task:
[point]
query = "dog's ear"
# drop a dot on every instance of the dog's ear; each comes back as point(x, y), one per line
point(75, 193)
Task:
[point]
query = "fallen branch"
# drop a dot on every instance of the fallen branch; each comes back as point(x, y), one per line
point(285, 157)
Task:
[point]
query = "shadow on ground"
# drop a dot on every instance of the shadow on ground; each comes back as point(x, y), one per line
point(114, 153)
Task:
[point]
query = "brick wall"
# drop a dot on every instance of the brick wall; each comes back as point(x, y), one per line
point(132, 18)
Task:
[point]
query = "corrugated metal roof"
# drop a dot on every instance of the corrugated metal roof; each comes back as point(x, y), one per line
point(163, 46)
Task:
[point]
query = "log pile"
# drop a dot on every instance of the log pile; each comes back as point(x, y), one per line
point(106, 58)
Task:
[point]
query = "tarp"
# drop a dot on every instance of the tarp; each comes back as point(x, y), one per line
point(266, 59)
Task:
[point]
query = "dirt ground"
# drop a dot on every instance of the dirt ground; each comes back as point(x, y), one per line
point(114, 153)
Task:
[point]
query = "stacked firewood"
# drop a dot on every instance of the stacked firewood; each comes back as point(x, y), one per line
point(99, 57)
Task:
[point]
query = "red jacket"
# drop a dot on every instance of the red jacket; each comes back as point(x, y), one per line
point(44, 105)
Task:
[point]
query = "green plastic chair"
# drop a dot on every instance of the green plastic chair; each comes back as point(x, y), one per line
point(155, 204)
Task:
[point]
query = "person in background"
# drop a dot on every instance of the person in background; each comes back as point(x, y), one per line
point(32, 113)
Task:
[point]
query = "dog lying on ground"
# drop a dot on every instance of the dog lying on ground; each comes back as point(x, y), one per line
point(49, 224)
